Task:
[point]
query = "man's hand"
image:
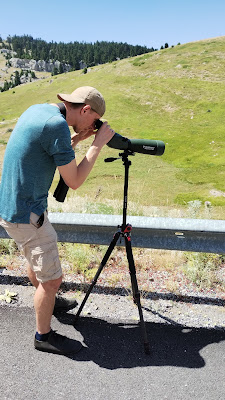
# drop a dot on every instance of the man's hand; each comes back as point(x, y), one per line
point(78, 137)
point(103, 135)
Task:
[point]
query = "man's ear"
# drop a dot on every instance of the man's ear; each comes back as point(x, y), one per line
point(85, 108)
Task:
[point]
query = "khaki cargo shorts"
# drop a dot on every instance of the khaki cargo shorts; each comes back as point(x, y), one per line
point(39, 246)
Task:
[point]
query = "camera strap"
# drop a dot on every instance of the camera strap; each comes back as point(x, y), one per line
point(62, 109)
point(61, 189)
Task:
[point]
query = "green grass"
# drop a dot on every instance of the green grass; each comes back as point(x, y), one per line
point(175, 95)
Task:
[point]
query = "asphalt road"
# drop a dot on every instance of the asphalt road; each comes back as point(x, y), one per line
point(183, 364)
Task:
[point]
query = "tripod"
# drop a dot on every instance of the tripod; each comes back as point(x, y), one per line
point(124, 230)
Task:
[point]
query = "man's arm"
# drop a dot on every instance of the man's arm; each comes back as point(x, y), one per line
point(74, 175)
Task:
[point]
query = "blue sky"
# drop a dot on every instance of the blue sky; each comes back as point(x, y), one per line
point(147, 22)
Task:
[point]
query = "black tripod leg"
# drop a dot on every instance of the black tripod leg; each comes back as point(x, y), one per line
point(136, 293)
point(103, 262)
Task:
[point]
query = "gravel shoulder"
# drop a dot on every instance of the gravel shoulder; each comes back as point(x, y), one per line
point(189, 309)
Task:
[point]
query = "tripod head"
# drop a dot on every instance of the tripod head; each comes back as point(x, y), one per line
point(123, 155)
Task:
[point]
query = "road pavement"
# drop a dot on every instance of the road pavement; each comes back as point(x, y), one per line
point(185, 363)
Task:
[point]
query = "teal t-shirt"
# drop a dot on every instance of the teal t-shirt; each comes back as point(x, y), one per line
point(39, 143)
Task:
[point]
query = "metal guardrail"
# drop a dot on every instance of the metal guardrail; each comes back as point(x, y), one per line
point(197, 235)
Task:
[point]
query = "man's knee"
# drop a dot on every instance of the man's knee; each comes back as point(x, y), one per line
point(52, 285)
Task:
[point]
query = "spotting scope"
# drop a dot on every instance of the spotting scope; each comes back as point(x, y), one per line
point(144, 146)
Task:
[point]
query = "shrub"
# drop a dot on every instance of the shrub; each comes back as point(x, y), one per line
point(201, 269)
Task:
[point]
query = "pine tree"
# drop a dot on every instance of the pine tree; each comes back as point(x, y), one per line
point(17, 78)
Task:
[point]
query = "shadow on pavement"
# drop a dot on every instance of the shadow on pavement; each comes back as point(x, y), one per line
point(112, 344)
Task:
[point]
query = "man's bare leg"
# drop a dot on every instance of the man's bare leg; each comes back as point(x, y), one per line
point(44, 301)
point(45, 339)
point(62, 304)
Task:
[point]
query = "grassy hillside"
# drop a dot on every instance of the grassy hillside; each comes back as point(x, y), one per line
point(175, 95)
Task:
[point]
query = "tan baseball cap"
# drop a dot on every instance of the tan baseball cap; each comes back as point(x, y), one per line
point(87, 95)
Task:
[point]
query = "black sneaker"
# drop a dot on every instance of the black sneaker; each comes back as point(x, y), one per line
point(58, 344)
point(64, 305)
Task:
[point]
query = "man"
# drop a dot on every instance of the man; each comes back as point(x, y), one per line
point(40, 143)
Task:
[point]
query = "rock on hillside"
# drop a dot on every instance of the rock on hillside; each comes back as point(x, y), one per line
point(39, 65)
